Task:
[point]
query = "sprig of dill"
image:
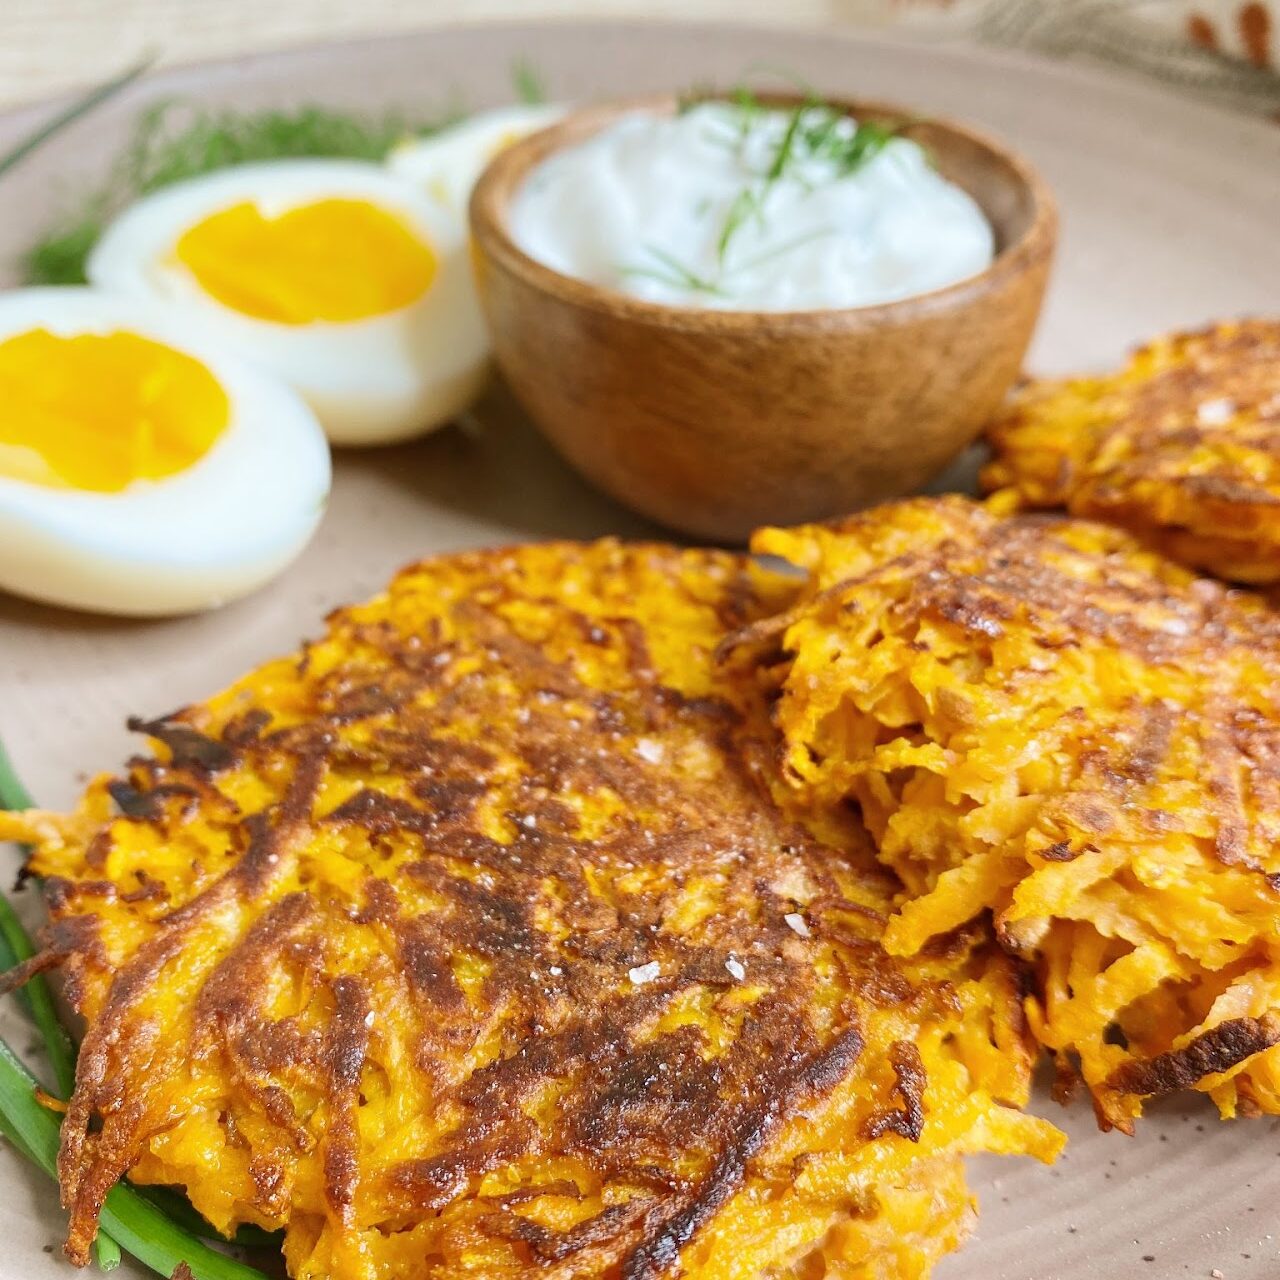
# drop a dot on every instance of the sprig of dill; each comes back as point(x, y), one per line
point(672, 271)
point(746, 204)
point(812, 133)
point(173, 141)
point(528, 82)
point(785, 153)
point(82, 106)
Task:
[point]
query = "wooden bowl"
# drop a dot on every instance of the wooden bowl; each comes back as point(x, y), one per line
point(715, 422)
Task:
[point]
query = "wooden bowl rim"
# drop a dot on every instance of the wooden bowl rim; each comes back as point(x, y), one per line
point(492, 195)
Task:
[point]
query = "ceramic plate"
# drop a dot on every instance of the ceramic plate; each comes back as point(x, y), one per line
point(1171, 218)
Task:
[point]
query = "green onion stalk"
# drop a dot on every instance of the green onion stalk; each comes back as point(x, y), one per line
point(159, 1228)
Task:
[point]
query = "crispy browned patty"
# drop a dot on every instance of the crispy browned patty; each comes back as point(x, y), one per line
point(1040, 717)
point(1182, 447)
point(470, 942)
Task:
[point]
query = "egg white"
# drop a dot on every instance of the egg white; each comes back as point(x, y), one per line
point(211, 533)
point(448, 164)
point(384, 378)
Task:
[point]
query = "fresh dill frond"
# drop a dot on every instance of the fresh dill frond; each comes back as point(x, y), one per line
point(528, 82)
point(819, 137)
point(745, 204)
point(869, 139)
point(167, 148)
point(787, 246)
point(786, 147)
point(820, 132)
point(812, 133)
point(82, 106)
point(673, 272)
point(749, 109)
point(676, 281)
point(173, 141)
point(59, 257)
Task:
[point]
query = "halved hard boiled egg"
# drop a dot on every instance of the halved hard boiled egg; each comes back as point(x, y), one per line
point(345, 282)
point(143, 471)
point(447, 164)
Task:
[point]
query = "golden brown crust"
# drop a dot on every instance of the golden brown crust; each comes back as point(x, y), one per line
point(1039, 717)
point(464, 944)
point(1182, 447)
point(1215, 1051)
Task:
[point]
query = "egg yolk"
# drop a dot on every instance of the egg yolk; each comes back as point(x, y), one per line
point(333, 260)
point(98, 411)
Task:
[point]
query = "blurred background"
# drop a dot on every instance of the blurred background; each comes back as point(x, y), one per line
point(1226, 49)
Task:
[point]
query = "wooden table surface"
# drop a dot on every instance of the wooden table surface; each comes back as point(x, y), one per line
point(51, 45)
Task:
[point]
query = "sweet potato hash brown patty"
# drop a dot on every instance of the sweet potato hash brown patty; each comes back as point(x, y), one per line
point(1039, 716)
point(468, 943)
point(1182, 447)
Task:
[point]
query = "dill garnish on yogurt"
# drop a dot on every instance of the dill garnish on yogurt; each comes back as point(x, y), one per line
point(737, 204)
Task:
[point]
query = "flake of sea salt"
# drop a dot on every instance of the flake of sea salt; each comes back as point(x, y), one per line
point(643, 973)
point(796, 923)
point(736, 968)
point(1215, 413)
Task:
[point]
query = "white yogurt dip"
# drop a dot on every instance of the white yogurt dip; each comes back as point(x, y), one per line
point(746, 208)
